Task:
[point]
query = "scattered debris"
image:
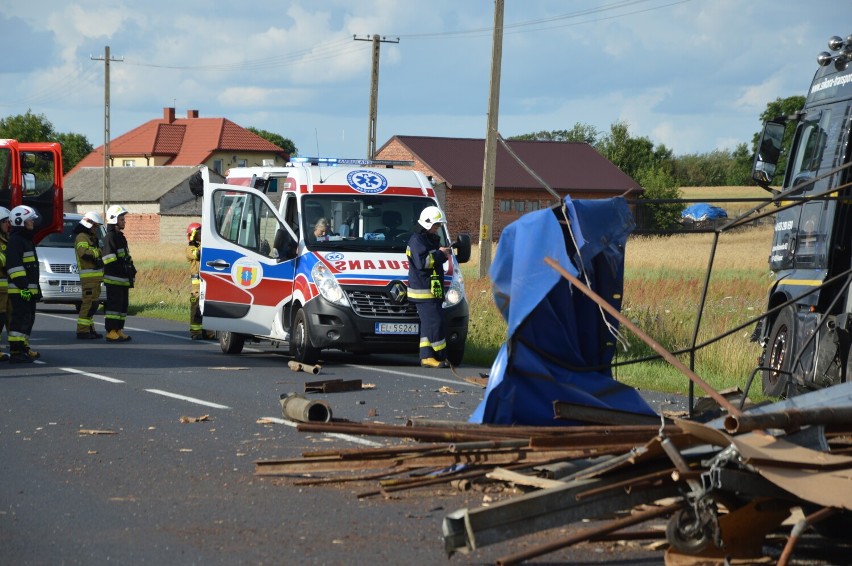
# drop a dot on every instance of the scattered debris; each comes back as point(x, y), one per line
point(297, 408)
point(227, 368)
point(332, 385)
point(91, 431)
point(202, 418)
point(448, 390)
point(307, 368)
point(266, 420)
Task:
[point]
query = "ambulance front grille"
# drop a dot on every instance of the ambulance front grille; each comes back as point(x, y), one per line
point(378, 304)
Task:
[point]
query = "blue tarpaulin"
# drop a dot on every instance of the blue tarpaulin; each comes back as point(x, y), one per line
point(703, 211)
point(558, 346)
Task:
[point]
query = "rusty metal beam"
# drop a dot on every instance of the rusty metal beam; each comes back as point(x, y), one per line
point(789, 419)
point(600, 415)
point(333, 386)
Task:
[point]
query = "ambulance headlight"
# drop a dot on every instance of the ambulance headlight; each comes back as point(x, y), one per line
point(328, 286)
point(455, 294)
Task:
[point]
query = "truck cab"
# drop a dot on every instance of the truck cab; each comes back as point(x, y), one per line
point(806, 336)
point(268, 273)
point(31, 174)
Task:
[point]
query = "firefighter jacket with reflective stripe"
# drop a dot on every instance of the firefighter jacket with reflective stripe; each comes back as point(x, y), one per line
point(193, 256)
point(4, 279)
point(89, 263)
point(425, 266)
point(118, 266)
point(22, 262)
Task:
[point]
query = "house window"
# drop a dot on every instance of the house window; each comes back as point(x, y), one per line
point(217, 165)
point(129, 163)
point(242, 162)
point(532, 205)
point(505, 206)
point(519, 206)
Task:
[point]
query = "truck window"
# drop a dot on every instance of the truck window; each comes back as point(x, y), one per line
point(245, 220)
point(812, 139)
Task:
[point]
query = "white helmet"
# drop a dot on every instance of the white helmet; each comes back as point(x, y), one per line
point(20, 214)
point(431, 215)
point(4, 213)
point(90, 219)
point(114, 212)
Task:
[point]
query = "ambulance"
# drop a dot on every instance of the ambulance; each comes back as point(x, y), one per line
point(268, 276)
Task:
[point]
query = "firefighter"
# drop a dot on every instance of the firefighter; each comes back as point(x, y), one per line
point(24, 291)
point(193, 256)
point(119, 274)
point(5, 226)
point(90, 266)
point(426, 260)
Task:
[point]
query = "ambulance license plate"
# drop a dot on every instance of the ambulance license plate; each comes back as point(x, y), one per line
point(69, 289)
point(397, 328)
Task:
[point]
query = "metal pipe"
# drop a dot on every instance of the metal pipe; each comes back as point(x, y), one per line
point(719, 398)
point(800, 526)
point(789, 419)
point(307, 368)
point(297, 408)
point(587, 534)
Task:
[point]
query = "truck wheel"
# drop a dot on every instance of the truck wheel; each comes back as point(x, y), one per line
point(300, 340)
point(455, 355)
point(779, 353)
point(230, 342)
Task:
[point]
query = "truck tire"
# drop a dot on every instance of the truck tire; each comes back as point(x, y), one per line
point(230, 342)
point(300, 340)
point(779, 353)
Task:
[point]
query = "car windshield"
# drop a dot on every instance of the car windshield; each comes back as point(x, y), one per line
point(65, 239)
point(380, 223)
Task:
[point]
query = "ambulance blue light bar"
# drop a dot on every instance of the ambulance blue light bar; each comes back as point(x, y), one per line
point(334, 161)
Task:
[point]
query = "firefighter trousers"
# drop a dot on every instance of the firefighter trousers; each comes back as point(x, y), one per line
point(433, 342)
point(115, 307)
point(91, 288)
point(20, 323)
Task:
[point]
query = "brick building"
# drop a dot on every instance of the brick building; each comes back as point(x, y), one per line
point(158, 199)
point(455, 164)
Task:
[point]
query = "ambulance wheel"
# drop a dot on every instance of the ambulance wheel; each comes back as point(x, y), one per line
point(779, 353)
point(230, 342)
point(300, 340)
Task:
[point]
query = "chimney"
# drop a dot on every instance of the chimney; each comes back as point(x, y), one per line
point(192, 114)
point(169, 115)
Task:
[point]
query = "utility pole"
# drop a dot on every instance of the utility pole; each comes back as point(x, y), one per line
point(374, 89)
point(486, 218)
point(106, 59)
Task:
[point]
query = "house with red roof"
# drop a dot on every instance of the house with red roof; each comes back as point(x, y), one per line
point(217, 143)
point(150, 167)
point(455, 165)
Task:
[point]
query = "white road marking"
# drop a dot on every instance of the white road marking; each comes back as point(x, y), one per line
point(347, 437)
point(95, 375)
point(188, 399)
point(417, 375)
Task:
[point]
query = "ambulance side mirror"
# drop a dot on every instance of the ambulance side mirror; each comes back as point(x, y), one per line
point(462, 247)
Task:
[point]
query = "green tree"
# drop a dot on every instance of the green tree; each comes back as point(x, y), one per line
point(630, 154)
point(74, 148)
point(27, 127)
point(659, 185)
point(579, 133)
point(284, 143)
point(31, 127)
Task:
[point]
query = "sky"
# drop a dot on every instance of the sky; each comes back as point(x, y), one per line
point(693, 75)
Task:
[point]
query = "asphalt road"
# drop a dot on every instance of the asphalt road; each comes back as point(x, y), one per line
point(160, 491)
point(96, 466)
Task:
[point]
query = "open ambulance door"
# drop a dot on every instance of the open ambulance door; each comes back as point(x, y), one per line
point(247, 261)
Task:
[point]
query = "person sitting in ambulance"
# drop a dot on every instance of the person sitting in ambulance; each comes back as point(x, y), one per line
point(320, 233)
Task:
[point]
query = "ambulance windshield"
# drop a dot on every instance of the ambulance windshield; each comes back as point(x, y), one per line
point(362, 222)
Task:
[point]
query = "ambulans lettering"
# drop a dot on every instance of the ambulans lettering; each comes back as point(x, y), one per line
point(379, 265)
point(368, 182)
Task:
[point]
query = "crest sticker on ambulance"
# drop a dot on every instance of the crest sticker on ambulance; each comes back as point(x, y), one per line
point(246, 273)
point(368, 182)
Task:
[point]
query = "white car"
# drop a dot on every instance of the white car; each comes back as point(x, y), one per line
point(57, 268)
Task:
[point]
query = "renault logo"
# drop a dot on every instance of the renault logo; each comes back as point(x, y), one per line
point(398, 293)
